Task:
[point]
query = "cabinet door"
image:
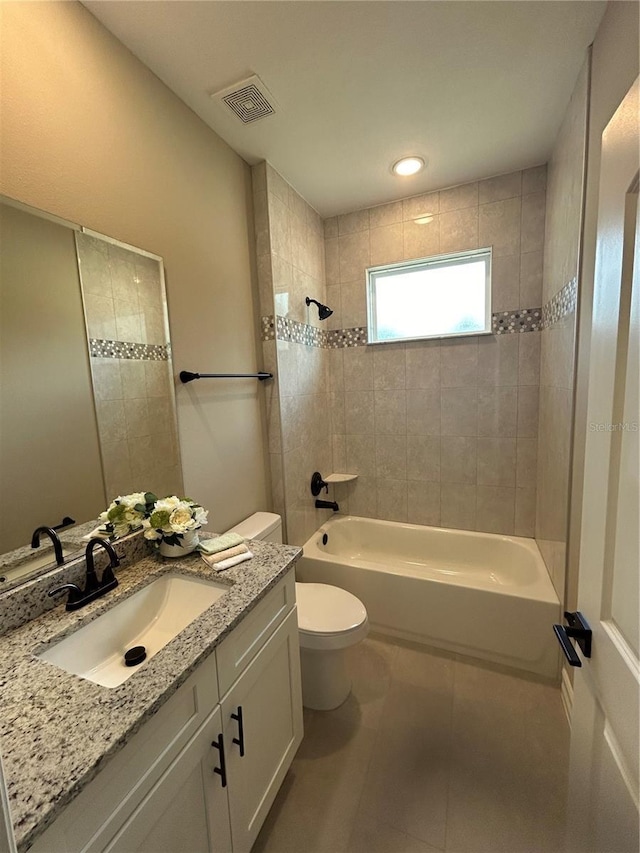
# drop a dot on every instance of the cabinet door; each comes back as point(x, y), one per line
point(187, 809)
point(103, 807)
point(268, 699)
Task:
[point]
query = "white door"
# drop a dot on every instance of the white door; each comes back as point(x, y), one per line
point(603, 797)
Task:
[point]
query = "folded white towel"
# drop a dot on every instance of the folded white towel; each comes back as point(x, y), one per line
point(228, 564)
point(220, 543)
point(212, 559)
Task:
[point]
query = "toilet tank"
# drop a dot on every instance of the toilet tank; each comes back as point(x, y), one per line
point(261, 525)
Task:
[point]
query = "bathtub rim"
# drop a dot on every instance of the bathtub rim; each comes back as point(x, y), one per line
point(542, 589)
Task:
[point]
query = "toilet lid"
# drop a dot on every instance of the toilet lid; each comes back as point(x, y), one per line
point(324, 609)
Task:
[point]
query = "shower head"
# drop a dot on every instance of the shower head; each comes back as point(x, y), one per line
point(323, 310)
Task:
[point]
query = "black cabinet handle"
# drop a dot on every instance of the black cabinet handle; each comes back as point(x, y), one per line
point(578, 629)
point(240, 739)
point(222, 770)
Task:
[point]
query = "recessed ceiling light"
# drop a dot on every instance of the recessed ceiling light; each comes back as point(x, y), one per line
point(423, 220)
point(408, 166)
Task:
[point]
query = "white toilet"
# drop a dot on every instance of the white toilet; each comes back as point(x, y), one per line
point(330, 620)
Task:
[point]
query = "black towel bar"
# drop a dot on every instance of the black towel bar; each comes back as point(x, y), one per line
point(187, 376)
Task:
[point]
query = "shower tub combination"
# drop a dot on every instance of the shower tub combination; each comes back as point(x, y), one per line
point(478, 594)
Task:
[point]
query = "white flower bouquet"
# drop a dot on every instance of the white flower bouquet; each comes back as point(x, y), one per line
point(126, 514)
point(173, 517)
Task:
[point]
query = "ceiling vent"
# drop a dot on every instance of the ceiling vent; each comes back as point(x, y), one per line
point(249, 99)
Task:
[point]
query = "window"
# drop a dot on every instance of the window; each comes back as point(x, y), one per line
point(439, 297)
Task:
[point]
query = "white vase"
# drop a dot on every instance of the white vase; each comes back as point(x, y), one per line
point(188, 543)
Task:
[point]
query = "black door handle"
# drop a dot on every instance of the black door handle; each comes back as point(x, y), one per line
point(578, 629)
point(240, 739)
point(222, 770)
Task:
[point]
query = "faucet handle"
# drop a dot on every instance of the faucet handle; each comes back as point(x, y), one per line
point(318, 484)
point(75, 593)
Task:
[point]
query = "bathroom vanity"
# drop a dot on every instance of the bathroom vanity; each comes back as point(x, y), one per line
point(186, 754)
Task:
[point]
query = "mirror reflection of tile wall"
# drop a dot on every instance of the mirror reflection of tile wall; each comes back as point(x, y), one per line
point(131, 368)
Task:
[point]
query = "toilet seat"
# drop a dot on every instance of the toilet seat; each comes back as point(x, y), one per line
point(329, 617)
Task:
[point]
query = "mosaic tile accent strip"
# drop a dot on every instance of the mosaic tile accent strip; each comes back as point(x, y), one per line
point(514, 322)
point(300, 333)
point(562, 304)
point(268, 324)
point(284, 329)
point(125, 349)
point(341, 338)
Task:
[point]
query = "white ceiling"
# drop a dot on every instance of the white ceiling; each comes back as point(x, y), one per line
point(476, 88)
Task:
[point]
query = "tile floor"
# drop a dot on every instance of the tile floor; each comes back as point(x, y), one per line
point(430, 753)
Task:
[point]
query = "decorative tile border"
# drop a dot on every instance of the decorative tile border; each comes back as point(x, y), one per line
point(562, 304)
point(514, 322)
point(340, 338)
point(300, 333)
point(268, 324)
point(124, 349)
point(284, 329)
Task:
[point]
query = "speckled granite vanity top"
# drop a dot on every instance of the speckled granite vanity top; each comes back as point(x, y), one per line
point(57, 730)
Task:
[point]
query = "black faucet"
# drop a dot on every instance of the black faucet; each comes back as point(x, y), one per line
point(57, 544)
point(94, 588)
point(108, 580)
point(327, 505)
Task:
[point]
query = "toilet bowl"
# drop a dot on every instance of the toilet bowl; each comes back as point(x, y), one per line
point(330, 620)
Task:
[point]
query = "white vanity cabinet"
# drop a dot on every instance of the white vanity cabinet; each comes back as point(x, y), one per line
point(187, 809)
point(262, 714)
point(162, 793)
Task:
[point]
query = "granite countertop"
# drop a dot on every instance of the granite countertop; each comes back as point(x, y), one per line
point(57, 730)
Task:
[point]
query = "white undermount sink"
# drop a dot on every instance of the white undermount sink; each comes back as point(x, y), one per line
point(151, 617)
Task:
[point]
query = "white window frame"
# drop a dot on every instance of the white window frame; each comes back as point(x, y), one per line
point(454, 259)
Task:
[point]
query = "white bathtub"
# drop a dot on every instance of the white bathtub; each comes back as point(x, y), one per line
point(478, 594)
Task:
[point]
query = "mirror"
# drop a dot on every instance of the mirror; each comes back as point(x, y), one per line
point(87, 404)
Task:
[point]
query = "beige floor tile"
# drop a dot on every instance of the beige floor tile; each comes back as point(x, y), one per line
point(373, 837)
point(315, 808)
point(429, 753)
point(406, 787)
point(407, 783)
point(370, 665)
point(423, 666)
point(508, 764)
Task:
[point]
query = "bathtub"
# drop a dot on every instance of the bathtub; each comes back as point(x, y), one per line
point(478, 594)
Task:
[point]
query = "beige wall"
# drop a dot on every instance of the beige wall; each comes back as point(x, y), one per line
point(90, 134)
point(614, 67)
point(49, 449)
point(562, 246)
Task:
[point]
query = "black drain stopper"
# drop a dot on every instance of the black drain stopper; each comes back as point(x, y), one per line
point(135, 656)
